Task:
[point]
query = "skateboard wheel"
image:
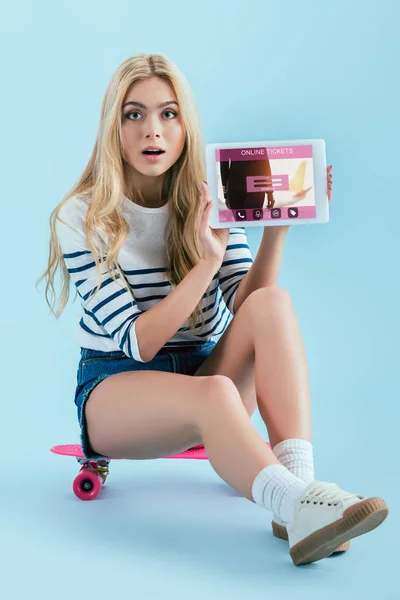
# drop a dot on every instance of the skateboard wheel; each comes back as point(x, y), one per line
point(87, 485)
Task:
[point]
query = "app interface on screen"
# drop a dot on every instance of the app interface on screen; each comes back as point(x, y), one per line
point(265, 183)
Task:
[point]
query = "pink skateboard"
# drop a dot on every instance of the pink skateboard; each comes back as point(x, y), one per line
point(93, 473)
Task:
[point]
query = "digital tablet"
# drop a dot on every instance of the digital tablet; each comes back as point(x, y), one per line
point(267, 183)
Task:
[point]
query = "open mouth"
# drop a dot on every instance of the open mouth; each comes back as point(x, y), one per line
point(153, 152)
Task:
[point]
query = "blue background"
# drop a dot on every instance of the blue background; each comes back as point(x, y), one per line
point(259, 70)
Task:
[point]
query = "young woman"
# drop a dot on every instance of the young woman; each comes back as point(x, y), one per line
point(156, 285)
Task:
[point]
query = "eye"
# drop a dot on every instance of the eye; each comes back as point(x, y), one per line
point(135, 112)
point(127, 116)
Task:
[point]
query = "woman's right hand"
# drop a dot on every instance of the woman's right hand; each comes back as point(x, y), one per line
point(214, 240)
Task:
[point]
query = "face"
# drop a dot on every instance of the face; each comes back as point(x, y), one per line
point(151, 117)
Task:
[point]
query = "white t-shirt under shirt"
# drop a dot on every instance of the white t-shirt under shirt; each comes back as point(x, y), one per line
point(108, 321)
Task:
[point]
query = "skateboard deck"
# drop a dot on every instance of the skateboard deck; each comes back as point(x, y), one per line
point(94, 472)
point(197, 452)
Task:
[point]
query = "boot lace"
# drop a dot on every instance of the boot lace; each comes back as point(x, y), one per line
point(329, 493)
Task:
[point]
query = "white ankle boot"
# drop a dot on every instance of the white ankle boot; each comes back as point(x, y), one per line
point(326, 517)
point(279, 530)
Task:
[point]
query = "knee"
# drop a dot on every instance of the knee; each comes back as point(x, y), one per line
point(221, 390)
point(220, 400)
point(272, 296)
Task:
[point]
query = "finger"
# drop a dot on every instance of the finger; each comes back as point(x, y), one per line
point(205, 189)
point(206, 195)
point(206, 213)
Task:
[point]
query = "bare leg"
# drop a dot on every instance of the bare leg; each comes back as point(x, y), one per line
point(151, 414)
point(281, 374)
point(263, 353)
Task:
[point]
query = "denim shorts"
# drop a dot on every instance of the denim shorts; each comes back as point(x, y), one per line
point(96, 365)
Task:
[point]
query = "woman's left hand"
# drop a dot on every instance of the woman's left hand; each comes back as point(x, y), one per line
point(301, 195)
point(329, 182)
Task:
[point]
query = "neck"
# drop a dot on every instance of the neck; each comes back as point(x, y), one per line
point(148, 200)
point(146, 191)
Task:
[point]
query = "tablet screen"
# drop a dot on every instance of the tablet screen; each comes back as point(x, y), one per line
point(263, 183)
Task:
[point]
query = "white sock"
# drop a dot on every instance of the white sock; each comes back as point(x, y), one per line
point(277, 490)
point(297, 456)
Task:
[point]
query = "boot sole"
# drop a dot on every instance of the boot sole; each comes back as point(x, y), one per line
point(280, 532)
point(358, 519)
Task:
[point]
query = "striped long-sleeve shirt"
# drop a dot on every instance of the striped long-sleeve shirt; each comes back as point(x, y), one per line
point(107, 322)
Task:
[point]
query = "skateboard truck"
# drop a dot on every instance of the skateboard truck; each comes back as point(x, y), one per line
point(91, 478)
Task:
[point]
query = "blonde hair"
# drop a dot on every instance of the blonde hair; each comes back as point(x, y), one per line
point(104, 181)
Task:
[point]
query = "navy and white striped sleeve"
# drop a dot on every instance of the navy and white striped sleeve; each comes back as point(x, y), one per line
point(114, 309)
point(237, 261)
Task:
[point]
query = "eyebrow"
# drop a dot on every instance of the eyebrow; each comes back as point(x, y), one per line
point(144, 106)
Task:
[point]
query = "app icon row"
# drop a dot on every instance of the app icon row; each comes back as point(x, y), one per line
point(276, 213)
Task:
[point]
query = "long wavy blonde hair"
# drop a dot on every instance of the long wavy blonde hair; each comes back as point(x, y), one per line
point(104, 181)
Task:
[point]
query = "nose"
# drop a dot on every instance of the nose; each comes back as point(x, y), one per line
point(153, 127)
